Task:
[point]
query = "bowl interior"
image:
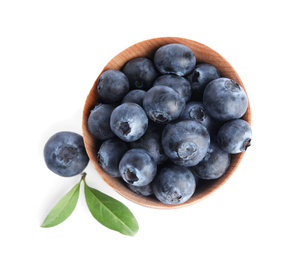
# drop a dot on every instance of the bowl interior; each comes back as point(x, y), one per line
point(147, 49)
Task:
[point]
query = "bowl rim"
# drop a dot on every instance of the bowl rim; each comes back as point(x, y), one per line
point(147, 48)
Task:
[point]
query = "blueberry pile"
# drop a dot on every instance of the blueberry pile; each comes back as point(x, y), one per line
point(165, 124)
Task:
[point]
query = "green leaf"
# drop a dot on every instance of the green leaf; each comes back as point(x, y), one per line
point(63, 209)
point(110, 212)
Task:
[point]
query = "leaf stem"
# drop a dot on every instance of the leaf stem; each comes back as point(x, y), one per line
point(83, 177)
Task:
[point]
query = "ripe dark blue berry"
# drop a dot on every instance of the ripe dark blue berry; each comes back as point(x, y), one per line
point(200, 77)
point(175, 58)
point(235, 136)
point(141, 73)
point(146, 190)
point(151, 141)
point(65, 154)
point(196, 111)
point(224, 99)
point(134, 96)
point(129, 121)
point(174, 185)
point(99, 121)
point(185, 142)
point(137, 167)
point(112, 86)
point(110, 154)
point(178, 83)
point(163, 104)
point(214, 164)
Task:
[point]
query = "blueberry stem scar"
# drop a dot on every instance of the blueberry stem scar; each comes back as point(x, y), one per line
point(187, 150)
point(67, 153)
point(232, 85)
point(130, 176)
point(100, 159)
point(174, 197)
point(197, 113)
point(195, 76)
point(247, 144)
point(124, 127)
point(160, 117)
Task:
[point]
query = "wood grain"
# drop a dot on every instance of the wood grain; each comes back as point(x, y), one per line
point(147, 49)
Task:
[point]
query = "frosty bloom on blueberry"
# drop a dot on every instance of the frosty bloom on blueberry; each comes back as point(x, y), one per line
point(195, 110)
point(134, 96)
point(129, 122)
point(141, 73)
point(175, 58)
point(224, 99)
point(99, 121)
point(180, 84)
point(65, 154)
point(110, 154)
point(214, 164)
point(174, 185)
point(137, 167)
point(200, 77)
point(235, 136)
point(151, 142)
point(163, 104)
point(112, 86)
point(185, 142)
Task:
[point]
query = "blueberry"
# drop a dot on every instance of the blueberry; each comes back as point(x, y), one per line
point(163, 104)
point(129, 121)
point(146, 190)
point(137, 167)
point(214, 164)
point(185, 142)
point(112, 86)
point(134, 96)
point(99, 121)
point(224, 99)
point(151, 141)
point(65, 154)
point(196, 111)
point(235, 136)
point(175, 58)
point(110, 154)
point(178, 83)
point(141, 73)
point(200, 77)
point(174, 185)
point(197, 180)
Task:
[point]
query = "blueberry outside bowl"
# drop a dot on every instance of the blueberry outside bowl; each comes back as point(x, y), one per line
point(147, 49)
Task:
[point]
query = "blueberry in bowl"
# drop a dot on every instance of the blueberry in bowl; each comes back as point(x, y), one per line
point(180, 84)
point(99, 121)
point(185, 142)
point(141, 73)
point(112, 86)
point(163, 104)
point(109, 155)
point(175, 60)
point(129, 122)
point(137, 167)
point(174, 185)
point(224, 99)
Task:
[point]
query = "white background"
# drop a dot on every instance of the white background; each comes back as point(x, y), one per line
point(52, 52)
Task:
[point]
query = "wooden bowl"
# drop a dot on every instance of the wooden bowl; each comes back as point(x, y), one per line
point(147, 49)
